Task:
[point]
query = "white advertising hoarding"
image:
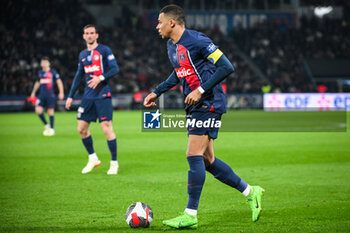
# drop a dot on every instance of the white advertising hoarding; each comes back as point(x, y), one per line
point(307, 102)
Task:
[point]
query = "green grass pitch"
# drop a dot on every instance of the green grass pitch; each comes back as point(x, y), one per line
point(306, 177)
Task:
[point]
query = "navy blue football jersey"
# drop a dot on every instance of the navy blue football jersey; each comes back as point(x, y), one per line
point(191, 60)
point(96, 62)
point(46, 80)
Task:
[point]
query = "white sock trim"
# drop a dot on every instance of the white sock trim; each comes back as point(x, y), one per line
point(191, 211)
point(246, 191)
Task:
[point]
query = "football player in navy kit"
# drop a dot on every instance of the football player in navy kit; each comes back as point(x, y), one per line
point(98, 64)
point(46, 99)
point(199, 66)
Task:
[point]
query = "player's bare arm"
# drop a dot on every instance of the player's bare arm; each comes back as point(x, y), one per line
point(35, 89)
point(60, 89)
point(150, 100)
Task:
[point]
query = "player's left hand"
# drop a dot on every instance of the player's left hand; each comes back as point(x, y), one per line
point(193, 97)
point(94, 81)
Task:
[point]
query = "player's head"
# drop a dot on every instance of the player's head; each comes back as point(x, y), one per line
point(170, 17)
point(90, 34)
point(45, 63)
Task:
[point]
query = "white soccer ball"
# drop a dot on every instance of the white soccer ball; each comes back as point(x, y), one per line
point(139, 214)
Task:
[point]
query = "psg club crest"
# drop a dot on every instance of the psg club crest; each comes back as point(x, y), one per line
point(151, 120)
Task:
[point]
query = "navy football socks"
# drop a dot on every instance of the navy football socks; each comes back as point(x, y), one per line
point(225, 174)
point(42, 118)
point(88, 145)
point(196, 178)
point(112, 145)
point(52, 121)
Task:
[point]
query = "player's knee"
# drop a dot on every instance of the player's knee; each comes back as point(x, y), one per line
point(107, 127)
point(82, 130)
point(51, 111)
point(194, 149)
point(38, 110)
point(191, 152)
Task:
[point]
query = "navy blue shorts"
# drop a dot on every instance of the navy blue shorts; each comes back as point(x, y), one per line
point(46, 101)
point(91, 109)
point(204, 123)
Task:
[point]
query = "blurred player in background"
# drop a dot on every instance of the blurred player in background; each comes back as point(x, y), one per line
point(200, 67)
point(46, 98)
point(98, 64)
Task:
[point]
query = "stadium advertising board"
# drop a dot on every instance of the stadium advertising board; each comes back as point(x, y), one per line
point(307, 102)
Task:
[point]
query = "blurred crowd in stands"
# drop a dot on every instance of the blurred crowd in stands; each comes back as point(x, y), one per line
point(280, 52)
point(52, 29)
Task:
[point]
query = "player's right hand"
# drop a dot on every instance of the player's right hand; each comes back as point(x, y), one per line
point(69, 103)
point(150, 100)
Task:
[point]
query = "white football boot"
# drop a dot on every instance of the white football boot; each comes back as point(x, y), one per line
point(113, 169)
point(46, 130)
point(92, 163)
point(50, 132)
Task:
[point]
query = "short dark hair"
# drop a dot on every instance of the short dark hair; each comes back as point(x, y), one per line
point(45, 58)
point(89, 26)
point(176, 12)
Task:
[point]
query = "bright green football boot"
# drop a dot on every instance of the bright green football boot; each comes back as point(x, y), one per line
point(254, 200)
point(185, 220)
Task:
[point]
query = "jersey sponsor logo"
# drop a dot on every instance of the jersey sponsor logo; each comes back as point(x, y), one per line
point(184, 72)
point(211, 47)
point(110, 57)
point(91, 68)
point(45, 80)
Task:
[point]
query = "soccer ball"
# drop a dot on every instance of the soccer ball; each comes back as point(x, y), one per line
point(139, 214)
